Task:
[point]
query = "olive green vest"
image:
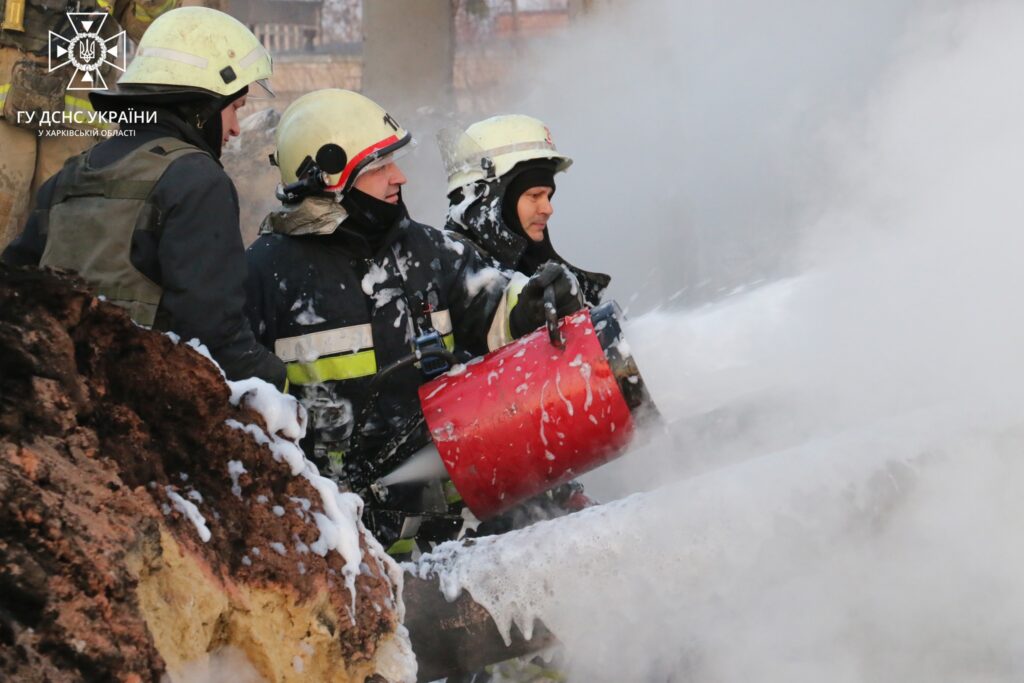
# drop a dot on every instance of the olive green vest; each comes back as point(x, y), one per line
point(93, 215)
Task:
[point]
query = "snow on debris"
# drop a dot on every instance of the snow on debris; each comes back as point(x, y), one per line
point(339, 522)
point(189, 509)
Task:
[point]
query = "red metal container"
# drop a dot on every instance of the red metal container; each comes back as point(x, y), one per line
point(530, 416)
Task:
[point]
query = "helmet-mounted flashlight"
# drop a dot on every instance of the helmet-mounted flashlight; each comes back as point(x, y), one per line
point(312, 174)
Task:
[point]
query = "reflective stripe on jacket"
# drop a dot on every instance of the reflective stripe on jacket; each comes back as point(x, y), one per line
point(336, 315)
point(342, 353)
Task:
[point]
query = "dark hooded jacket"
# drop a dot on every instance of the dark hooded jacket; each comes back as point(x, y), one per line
point(194, 250)
point(479, 219)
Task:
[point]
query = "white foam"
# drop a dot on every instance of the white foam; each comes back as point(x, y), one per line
point(339, 522)
point(235, 470)
point(189, 509)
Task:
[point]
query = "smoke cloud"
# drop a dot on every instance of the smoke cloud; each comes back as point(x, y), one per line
point(695, 127)
point(833, 194)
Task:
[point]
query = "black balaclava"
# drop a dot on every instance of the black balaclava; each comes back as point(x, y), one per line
point(371, 219)
point(490, 219)
point(539, 173)
point(204, 116)
point(197, 109)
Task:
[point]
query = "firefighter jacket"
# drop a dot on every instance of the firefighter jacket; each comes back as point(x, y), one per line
point(338, 304)
point(151, 221)
point(25, 81)
point(478, 218)
point(337, 308)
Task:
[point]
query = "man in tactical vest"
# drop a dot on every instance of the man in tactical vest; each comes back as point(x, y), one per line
point(150, 218)
point(33, 150)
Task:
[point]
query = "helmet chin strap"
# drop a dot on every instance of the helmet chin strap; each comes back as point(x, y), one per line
point(212, 132)
point(206, 118)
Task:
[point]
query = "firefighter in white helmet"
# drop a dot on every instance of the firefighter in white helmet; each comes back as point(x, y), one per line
point(149, 218)
point(343, 283)
point(30, 34)
point(501, 180)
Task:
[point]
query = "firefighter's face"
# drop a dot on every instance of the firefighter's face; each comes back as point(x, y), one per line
point(534, 208)
point(229, 120)
point(384, 182)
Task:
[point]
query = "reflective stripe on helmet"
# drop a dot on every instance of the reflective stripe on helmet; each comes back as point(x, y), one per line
point(174, 56)
point(255, 55)
point(473, 161)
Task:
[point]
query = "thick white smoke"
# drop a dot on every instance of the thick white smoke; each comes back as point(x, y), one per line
point(909, 267)
point(855, 427)
point(695, 126)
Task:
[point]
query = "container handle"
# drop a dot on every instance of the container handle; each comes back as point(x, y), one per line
point(551, 316)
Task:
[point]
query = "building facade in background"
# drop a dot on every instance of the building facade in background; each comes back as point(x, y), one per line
point(319, 43)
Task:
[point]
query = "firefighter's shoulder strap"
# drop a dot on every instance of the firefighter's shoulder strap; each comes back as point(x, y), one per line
point(94, 213)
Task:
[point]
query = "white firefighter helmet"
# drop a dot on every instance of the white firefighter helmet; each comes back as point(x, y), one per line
point(344, 132)
point(492, 147)
point(198, 48)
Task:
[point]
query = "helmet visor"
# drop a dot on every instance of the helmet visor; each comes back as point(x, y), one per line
point(263, 92)
point(463, 158)
point(389, 158)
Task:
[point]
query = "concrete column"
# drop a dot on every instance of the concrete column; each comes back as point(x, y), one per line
point(408, 53)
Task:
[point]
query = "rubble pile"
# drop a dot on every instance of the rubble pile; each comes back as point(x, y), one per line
point(143, 534)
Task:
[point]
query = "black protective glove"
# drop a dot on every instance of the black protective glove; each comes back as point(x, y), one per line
point(571, 498)
point(528, 313)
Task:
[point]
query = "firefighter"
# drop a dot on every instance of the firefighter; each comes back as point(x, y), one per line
point(343, 283)
point(501, 178)
point(30, 155)
point(150, 219)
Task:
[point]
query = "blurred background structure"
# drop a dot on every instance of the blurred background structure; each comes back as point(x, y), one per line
point(458, 48)
point(702, 132)
point(432, 63)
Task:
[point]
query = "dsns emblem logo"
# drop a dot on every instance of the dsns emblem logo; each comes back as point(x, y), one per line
point(87, 51)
